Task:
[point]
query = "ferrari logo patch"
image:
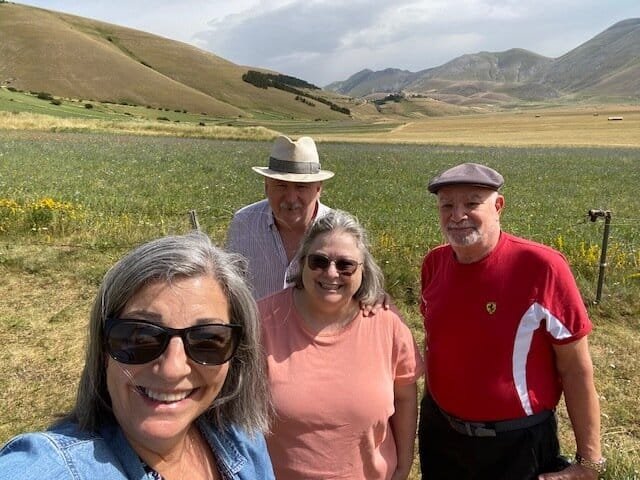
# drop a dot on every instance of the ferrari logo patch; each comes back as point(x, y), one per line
point(491, 308)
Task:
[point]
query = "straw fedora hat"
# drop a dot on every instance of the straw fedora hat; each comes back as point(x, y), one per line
point(294, 161)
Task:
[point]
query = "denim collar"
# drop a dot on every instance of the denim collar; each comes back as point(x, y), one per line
point(229, 459)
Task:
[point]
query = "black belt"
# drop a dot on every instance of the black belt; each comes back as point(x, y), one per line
point(492, 429)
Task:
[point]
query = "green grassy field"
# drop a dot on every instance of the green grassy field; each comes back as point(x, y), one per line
point(578, 125)
point(72, 203)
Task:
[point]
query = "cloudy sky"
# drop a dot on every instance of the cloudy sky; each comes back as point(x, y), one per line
point(327, 40)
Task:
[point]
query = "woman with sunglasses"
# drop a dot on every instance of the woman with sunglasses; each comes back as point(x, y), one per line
point(173, 385)
point(343, 384)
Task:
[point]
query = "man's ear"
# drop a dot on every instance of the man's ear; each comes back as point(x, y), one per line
point(499, 203)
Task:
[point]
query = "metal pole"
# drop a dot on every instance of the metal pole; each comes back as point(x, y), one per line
point(594, 214)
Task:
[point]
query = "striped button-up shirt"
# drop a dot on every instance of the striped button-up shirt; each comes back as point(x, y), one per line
point(253, 233)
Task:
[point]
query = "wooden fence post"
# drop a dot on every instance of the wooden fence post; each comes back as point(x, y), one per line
point(193, 217)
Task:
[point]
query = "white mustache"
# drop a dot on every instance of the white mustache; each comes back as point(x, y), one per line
point(290, 206)
point(454, 226)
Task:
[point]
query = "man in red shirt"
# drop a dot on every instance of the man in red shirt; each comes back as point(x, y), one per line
point(506, 335)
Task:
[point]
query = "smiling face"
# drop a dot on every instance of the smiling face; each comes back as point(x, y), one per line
point(328, 289)
point(156, 402)
point(470, 220)
point(293, 203)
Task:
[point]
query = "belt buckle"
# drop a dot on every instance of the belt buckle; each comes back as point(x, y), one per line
point(478, 430)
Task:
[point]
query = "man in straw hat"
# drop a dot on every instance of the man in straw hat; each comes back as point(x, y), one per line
point(506, 335)
point(269, 232)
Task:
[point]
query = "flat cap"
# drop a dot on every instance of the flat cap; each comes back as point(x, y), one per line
point(467, 174)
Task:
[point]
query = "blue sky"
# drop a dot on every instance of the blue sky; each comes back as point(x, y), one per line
point(327, 40)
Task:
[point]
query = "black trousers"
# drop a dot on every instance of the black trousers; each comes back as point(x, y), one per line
point(517, 455)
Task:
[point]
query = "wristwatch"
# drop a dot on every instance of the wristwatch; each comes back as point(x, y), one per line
point(599, 466)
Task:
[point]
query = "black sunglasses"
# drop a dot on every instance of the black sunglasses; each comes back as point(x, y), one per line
point(135, 342)
point(344, 266)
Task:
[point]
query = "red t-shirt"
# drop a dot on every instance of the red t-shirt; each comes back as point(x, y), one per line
point(491, 325)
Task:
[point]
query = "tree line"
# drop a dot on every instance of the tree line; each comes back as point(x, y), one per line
point(289, 84)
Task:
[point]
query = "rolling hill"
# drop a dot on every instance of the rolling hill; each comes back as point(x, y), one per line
point(76, 57)
point(606, 67)
point(79, 58)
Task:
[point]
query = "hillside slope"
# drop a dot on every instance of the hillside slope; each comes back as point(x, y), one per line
point(608, 64)
point(76, 57)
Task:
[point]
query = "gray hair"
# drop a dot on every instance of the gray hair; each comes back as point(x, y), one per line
point(243, 400)
point(372, 286)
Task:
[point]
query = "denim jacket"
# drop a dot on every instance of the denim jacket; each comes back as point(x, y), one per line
point(66, 453)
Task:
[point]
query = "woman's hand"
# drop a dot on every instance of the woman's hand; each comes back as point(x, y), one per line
point(401, 473)
point(382, 302)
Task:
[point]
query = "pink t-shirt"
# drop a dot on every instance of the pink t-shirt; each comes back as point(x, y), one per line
point(333, 393)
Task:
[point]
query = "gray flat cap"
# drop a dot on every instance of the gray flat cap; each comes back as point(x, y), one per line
point(468, 174)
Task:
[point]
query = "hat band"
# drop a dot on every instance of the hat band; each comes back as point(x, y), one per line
point(287, 166)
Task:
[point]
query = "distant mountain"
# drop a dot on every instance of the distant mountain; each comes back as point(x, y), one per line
point(513, 66)
point(76, 57)
point(605, 67)
point(367, 81)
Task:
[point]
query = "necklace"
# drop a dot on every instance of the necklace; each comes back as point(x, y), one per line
point(196, 461)
point(201, 455)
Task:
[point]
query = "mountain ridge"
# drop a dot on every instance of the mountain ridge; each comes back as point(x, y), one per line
point(80, 58)
point(606, 66)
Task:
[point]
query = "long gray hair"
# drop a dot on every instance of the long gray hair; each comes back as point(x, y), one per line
point(372, 286)
point(243, 400)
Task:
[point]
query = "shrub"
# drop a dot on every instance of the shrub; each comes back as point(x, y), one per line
point(304, 100)
point(394, 97)
point(44, 96)
point(88, 105)
point(55, 101)
point(337, 108)
point(10, 211)
point(43, 215)
point(50, 215)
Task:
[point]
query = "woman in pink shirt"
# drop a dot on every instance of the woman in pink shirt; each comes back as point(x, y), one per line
point(343, 385)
